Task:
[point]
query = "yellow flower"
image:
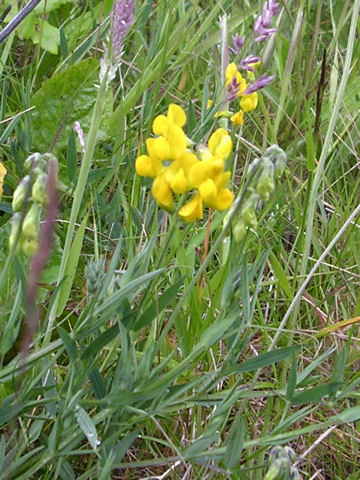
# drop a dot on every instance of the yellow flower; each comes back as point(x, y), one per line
point(238, 118)
point(171, 142)
point(192, 210)
point(231, 72)
point(220, 144)
point(177, 174)
point(249, 102)
point(2, 175)
point(162, 192)
point(149, 165)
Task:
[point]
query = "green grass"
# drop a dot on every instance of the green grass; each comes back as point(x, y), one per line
point(195, 355)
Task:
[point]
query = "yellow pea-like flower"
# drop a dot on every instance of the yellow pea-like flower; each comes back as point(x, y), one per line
point(3, 172)
point(192, 210)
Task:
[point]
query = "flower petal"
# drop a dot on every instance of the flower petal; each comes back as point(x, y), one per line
point(192, 210)
point(176, 115)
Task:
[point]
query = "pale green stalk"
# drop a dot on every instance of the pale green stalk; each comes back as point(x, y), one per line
point(79, 193)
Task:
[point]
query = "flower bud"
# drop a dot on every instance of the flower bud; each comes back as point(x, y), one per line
point(239, 231)
point(95, 275)
point(19, 194)
point(38, 191)
point(32, 161)
point(248, 216)
point(29, 247)
point(30, 227)
point(266, 185)
point(15, 220)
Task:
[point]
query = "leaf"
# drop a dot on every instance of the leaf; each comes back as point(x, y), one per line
point(281, 276)
point(87, 426)
point(69, 344)
point(235, 443)
point(292, 378)
point(315, 394)
point(71, 265)
point(266, 359)
point(40, 32)
point(71, 157)
point(68, 96)
point(155, 308)
point(123, 446)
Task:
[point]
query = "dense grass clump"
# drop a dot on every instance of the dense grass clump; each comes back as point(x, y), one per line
point(180, 232)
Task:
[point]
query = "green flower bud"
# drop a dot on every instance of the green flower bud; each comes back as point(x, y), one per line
point(29, 247)
point(30, 227)
point(32, 161)
point(38, 191)
point(266, 185)
point(239, 231)
point(248, 216)
point(95, 275)
point(19, 194)
point(15, 221)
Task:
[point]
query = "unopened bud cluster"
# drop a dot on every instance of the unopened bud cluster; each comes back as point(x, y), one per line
point(95, 276)
point(30, 195)
point(281, 467)
point(270, 166)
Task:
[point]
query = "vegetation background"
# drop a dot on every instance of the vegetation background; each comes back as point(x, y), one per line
point(169, 351)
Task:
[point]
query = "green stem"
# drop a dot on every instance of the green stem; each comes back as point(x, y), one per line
point(78, 195)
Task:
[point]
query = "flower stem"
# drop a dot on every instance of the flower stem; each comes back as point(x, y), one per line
point(78, 196)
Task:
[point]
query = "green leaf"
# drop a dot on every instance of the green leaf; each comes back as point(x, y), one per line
point(315, 394)
point(155, 308)
point(40, 32)
point(292, 378)
point(235, 443)
point(68, 96)
point(123, 446)
point(69, 344)
point(71, 156)
point(281, 276)
point(87, 426)
point(71, 267)
point(266, 359)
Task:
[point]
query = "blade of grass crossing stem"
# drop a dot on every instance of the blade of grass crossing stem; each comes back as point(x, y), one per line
point(70, 267)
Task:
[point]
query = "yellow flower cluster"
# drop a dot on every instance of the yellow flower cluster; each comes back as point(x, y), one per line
point(177, 170)
point(2, 175)
point(247, 102)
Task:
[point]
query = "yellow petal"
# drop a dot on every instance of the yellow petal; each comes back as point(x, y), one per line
point(221, 180)
point(143, 166)
point(249, 102)
point(230, 71)
point(160, 125)
point(177, 141)
point(192, 210)
point(238, 118)
point(2, 175)
point(224, 199)
point(199, 172)
point(179, 183)
point(162, 148)
point(220, 143)
point(208, 192)
point(162, 193)
point(176, 115)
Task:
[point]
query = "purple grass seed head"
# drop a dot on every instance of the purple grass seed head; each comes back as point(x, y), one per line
point(246, 63)
point(259, 83)
point(238, 43)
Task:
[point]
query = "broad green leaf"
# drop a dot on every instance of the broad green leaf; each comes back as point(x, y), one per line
point(87, 426)
point(68, 96)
